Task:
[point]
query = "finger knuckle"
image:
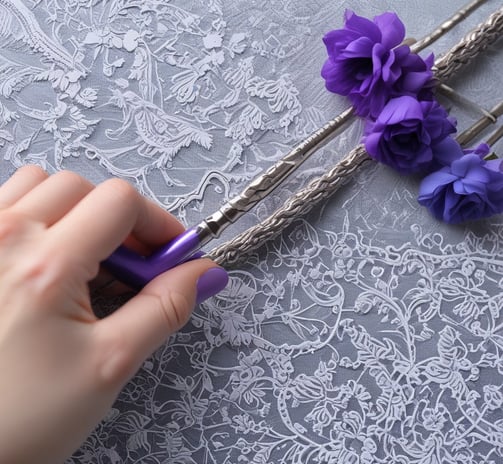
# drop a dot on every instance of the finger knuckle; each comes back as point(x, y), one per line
point(11, 224)
point(43, 276)
point(122, 190)
point(73, 179)
point(45, 267)
point(34, 171)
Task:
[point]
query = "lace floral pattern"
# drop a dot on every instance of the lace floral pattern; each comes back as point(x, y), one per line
point(366, 333)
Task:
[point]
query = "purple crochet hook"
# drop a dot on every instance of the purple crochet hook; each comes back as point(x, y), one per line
point(136, 270)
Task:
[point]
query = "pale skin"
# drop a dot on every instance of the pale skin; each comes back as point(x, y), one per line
point(61, 368)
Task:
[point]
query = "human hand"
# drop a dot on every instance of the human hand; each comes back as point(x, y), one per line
point(61, 367)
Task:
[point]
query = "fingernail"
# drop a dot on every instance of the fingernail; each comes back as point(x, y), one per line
point(210, 283)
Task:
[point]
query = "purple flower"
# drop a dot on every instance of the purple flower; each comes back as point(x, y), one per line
point(367, 63)
point(482, 150)
point(470, 188)
point(411, 135)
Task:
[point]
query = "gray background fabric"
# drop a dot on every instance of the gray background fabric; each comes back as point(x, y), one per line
point(366, 332)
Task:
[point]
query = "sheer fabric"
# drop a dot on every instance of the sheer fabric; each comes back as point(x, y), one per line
point(367, 332)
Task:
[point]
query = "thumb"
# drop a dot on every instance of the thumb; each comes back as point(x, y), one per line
point(140, 326)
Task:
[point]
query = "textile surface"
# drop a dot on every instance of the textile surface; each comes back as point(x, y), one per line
point(367, 332)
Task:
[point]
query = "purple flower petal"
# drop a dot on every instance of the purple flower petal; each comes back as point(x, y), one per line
point(415, 80)
point(468, 189)
point(392, 29)
point(463, 165)
point(446, 151)
point(400, 109)
point(361, 47)
point(495, 165)
point(435, 181)
point(362, 25)
point(369, 66)
point(482, 150)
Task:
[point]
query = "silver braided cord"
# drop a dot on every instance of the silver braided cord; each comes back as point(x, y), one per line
point(472, 45)
point(233, 251)
point(236, 250)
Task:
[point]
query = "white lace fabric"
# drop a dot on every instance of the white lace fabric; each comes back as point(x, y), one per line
point(367, 332)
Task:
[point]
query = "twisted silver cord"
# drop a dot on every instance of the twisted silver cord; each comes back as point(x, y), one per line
point(470, 46)
point(236, 250)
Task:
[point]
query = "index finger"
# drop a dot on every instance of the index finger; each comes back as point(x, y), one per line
point(103, 219)
point(21, 182)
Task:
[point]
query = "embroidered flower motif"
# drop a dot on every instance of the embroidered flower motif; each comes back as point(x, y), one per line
point(367, 63)
point(493, 397)
point(470, 188)
point(434, 419)
point(409, 135)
